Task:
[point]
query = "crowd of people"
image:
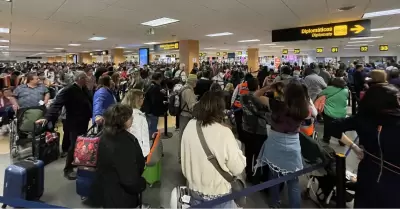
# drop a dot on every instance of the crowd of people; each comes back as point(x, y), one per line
point(126, 101)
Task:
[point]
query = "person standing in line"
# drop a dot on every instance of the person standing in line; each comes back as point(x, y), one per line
point(78, 105)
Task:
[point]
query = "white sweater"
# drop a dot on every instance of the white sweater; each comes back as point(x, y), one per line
point(140, 129)
point(199, 172)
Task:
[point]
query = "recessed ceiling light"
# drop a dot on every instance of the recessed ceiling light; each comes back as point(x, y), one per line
point(97, 38)
point(58, 48)
point(151, 49)
point(267, 44)
point(4, 41)
point(381, 13)
point(74, 44)
point(220, 34)
point(160, 21)
point(250, 40)
point(85, 51)
point(152, 43)
point(347, 8)
point(128, 51)
point(277, 46)
point(224, 49)
point(210, 48)
point(371, 37)
point(97, 50)
point(384, 29)
point(354, 42)
point(4, 30)
point(5, 47)
point(120, 47)
point(41, 53)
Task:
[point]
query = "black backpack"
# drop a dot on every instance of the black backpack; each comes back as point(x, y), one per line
point(174, 102)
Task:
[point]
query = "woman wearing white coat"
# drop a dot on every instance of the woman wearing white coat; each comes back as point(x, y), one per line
point(134, 99)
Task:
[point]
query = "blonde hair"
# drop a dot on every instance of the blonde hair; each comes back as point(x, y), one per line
point(132, 98)
point(229, 87)
point(378, 76)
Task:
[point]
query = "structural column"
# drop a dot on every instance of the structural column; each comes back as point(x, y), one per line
point(70, 58)
point(189, 53)
point(58, 59)
point(85, 58)
point(252, 59)
point(118, 56)
point(51, 59)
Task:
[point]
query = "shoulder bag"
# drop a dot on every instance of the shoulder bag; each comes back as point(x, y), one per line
point(236, 183)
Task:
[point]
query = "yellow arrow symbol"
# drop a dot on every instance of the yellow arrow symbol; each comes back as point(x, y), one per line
point(357, 29)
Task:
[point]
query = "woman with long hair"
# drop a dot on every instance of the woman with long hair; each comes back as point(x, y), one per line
point(140, 128)
point(120, 164)
point(377, 124)
point(282, 151)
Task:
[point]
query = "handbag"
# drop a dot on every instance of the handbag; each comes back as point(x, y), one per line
point(237, 184)
point(86, 148)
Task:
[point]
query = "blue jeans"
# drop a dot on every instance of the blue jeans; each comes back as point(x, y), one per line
point(196, 198)
point(293, 191)
point(153, 123)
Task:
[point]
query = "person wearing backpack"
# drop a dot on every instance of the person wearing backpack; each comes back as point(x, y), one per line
point(187, 101)
point(179, 74)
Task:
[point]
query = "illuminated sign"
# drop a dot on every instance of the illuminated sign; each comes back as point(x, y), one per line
point(297, 51)
point(167, 46)
point(383, 48)
point(239, 53)
point(218, 54)
point(225, 54)
point(335, 49)
point(363, 48)
point(99, 53)
point(358, 28)
point(320, 50)
point(285, 51)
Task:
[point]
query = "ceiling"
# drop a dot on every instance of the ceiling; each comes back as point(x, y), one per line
point(39, 26)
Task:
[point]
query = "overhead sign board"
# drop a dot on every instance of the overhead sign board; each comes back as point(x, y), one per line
point(383, 48)
point(320, 50)
point(363, 48)
point(218, 54)
point(225, 54)
point(166, 46)
point(285, 51)
point(335, 49)
point(297, 51)
point(357, 28)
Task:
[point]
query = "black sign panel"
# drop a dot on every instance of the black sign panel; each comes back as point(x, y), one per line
point(33, 58)
point(383, 48)
point(166, 46)
point(357, 28)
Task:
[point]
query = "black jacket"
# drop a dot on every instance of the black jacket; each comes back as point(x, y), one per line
point(154, 101)
point(120, 166)
point(78, 104)
point(202, 86)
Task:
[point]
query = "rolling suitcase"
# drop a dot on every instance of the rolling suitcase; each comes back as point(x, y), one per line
point(84, 180)
point(25, 179)
point(180, 198)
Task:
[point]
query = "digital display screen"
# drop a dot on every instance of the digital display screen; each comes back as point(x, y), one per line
point(144, 56)
point(358, 28)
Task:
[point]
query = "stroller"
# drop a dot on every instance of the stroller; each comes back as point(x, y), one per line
point(321, 183)
point(22, 131)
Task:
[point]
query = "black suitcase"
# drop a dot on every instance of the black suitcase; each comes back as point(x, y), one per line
point(49, 150)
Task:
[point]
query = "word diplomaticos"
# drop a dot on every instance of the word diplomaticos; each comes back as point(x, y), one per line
point(318, 32)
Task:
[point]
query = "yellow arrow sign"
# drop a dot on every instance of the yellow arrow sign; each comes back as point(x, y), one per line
point(357, 29)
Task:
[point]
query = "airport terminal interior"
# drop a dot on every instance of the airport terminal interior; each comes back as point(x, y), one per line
point(355, 42)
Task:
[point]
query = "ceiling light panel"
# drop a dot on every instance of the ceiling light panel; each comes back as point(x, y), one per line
point(4, 30)
point(160, 21)
point(223, 49)
point(4, 41)
point(220, 34)
point(277, 46)
point(97, 38)
point(354, 42)
point(358, 45)
point(4, 47)
point(250, 40)
point(120, 47)
point(381, 13)
point(58, 48)
point(74, 44)
point(351, 48)
point(152, 43)
point(210, 48)
point(384, 29)
point(267, 44)
point(363, 38)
